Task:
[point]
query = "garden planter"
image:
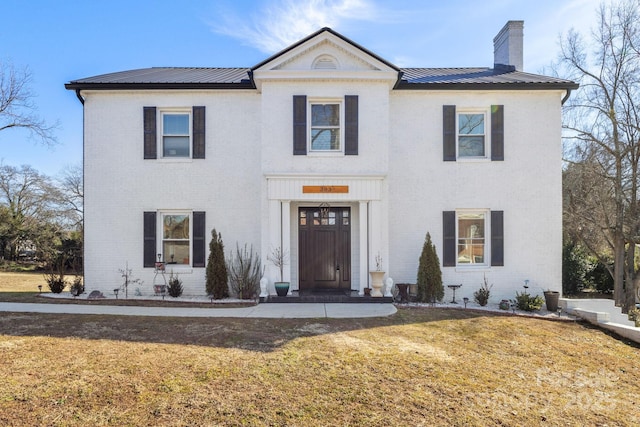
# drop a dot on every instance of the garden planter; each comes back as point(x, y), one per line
point(551, 299)
point(282, 288)
point(376, 283)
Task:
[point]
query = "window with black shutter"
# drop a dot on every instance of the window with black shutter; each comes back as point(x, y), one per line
point(199, 140)
point(149, 243)
point(150, 139)
point(199, 244)
point(299, 125)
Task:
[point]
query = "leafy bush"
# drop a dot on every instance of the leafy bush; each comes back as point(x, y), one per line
point(244, 272)
point(174, 288)
point(429, 279)
point(481, 296)
point(575, 266)
point(77, 287)
point(527, 302)
point(601, 278)
point(217, 284)
point(56, 282)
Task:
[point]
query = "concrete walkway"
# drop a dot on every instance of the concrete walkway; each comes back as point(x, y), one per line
point(267, 311)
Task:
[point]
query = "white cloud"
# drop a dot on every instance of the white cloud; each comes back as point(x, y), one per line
point(284, 22)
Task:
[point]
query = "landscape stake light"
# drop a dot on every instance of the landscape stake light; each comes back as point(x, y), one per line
point(115, 291)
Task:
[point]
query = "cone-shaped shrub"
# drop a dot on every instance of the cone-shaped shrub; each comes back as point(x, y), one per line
point(217, 279)
point(429, 279)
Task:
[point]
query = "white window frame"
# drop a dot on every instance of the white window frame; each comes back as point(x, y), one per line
point(166, 258)
point(487, 133)
point(325, 101)
point(175, 111)
point(487, 238)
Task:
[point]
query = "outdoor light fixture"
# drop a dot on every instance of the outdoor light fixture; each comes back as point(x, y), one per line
point(559, 311)
point(40, 288)
point(324, 210)
point(115, 291)
point(466, 301)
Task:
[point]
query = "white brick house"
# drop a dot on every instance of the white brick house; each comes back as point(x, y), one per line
point(471, 155)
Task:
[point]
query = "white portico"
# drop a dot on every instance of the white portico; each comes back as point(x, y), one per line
point(355, 203)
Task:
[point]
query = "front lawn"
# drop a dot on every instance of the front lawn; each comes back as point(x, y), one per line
point(422, 366)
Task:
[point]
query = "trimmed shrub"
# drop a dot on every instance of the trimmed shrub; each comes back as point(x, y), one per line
point(55, 282)
point(481, 296)
point(429, 279)
point(77, 287)
point(575, 266)
point(217, 284)
point(174, 288)
point(525, 301)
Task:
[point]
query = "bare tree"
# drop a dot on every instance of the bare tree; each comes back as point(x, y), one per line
point(28, 203)
point(602, 123)
point(17, 109)
point(72, 193)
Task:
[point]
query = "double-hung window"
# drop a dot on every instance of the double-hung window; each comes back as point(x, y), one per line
point(325, 129)
point(471, 238)
point(471, 135)
point(176, 134)
point(176, 238)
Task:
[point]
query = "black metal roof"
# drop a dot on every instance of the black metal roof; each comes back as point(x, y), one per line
point(501, 77)
point(239, 78)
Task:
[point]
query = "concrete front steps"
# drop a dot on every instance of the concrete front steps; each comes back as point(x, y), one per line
point(602, 313)
point(344, 297)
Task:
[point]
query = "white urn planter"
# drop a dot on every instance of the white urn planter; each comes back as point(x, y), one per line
point(376, 283)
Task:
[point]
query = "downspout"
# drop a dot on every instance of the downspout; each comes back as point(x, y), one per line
point(566, 96)
point(82, 99)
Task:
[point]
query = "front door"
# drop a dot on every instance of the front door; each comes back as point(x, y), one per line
point(325, 248)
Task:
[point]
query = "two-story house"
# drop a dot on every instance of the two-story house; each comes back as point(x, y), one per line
point(335, 154)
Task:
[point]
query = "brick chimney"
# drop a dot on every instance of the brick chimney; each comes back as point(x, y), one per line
point(507, 45)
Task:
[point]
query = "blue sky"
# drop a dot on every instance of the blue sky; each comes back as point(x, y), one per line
point(65, 40)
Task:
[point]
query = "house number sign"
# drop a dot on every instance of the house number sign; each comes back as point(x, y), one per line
point(325, 188)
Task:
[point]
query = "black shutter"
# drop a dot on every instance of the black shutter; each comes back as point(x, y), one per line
point(449, 238)
point(497, 132)
point(299, 125)
point(497, 238)
point(449, 133)
point(149, 244)
point(351, 125)
point(199, 141)
point(150, 142)
point(199, 225)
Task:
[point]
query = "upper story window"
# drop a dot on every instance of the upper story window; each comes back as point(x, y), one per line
point(325, 127)
point(471, 135)
point(176, 135)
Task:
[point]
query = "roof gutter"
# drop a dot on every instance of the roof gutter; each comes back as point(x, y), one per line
point(566, 97)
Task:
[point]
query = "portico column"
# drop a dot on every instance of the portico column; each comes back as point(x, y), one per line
point(364, 246)
point(286, 240)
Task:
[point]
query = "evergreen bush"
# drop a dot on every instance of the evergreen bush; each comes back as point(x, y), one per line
point(174, 288)
point(429, 279)
point(575, 266)
point(481, 296)
point(217, 284)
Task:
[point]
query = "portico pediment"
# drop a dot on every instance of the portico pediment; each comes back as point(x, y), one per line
point(325, 55)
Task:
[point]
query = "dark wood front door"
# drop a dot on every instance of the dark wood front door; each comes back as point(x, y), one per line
point(325, 248)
